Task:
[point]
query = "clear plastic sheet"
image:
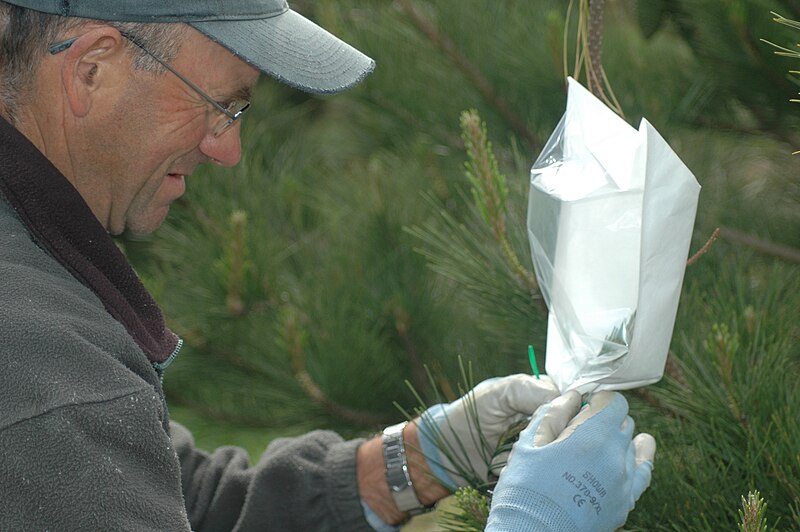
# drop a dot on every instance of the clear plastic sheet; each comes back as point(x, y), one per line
point(610, 217)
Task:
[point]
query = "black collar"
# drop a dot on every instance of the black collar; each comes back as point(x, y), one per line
point(62, 224)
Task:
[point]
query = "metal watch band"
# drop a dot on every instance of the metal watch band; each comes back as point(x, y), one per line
point(397, 474)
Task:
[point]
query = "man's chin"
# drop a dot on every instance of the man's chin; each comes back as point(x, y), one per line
point(144, 226)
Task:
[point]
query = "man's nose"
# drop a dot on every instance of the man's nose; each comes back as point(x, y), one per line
point(226, 149)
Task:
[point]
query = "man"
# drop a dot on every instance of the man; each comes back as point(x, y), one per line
point(107, 107)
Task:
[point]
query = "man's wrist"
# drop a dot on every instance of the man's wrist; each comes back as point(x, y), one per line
point(427, 488)
point(372, 485)
point(397, 472)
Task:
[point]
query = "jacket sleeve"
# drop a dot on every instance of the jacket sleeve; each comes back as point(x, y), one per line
point(299, 484)
point(104, 465)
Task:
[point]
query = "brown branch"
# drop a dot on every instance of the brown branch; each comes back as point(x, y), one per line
point(197, 340)
point(215, 414)
point(674, 370)
point(489, 189)
point(446, 388)
point(237, 255)
point(760, 128)
point(650, 398)
point(402, 114)
point(306, 381)
point(348, 414)
point(471, 72)
point(703, 250)
point(402, 322)
point(525, 278)
point(787, 253)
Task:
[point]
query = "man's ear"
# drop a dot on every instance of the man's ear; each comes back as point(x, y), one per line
point(94, 66)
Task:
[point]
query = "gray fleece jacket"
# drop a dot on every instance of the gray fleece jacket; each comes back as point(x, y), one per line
point(85, 439)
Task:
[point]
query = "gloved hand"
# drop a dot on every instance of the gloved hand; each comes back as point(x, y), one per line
point(583, 474)
point(496, 404)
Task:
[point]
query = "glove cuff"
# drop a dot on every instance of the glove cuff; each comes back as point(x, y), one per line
point(428, 434)
point(525, 509)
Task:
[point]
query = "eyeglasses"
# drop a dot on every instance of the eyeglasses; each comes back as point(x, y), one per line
point(231, 112)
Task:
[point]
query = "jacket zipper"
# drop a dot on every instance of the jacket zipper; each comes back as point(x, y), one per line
point(161, 367)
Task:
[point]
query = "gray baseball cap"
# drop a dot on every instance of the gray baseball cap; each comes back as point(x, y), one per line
point(265, 33)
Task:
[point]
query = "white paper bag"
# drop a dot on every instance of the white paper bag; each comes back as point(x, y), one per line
point(610, 218)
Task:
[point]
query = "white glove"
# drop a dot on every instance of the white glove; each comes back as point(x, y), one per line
point(460, 440)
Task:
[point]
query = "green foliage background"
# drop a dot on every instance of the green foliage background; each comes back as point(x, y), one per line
point(344, 253)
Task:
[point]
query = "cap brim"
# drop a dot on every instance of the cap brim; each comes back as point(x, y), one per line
point(292, 49)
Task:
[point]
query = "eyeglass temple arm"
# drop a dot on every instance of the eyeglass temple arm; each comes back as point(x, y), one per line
point(61, 46)
point(191, 84)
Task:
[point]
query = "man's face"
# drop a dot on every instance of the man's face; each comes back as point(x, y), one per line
point(160, 131)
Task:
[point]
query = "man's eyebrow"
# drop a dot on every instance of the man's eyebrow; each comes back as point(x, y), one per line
point(243, 93)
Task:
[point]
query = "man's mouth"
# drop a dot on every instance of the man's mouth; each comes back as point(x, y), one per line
point(176, 185)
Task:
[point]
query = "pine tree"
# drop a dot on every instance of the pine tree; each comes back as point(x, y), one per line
point(346, 252)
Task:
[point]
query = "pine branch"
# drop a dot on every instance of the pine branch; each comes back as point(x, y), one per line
point(527, 279)
point(413, 121)
point(472, 514)
point(724, 345)
point(296, 347)
point(237, 263)
point(219, 415)
point(783, 252)
point(736, 404)
point(490, 192)
point(402, 322)
point(489, 188)
point(471, 72)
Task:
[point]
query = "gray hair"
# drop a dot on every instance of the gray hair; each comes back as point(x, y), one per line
point(25, 36)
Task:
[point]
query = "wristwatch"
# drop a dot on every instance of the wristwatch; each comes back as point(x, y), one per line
point(397, 474)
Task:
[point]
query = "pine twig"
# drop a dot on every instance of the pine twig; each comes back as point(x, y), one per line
point(214, 413)
point(751, 515)
point(523, 274)
point(296, 348)
point(490, 193)
point(489, 186)
point(652, 399)
point(238, 264)
point(471, 72)
point(674, 370)
point(473, 512)
point(723, 344)
point(402, 321)
point(414, 122)
point(703, 250)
